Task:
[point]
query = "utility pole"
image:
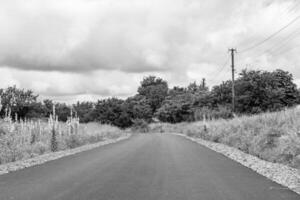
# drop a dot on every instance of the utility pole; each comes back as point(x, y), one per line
point(232, 51)
point(203, 83)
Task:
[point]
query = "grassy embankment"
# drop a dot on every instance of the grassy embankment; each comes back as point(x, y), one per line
point(24, 140)
point(274, 137)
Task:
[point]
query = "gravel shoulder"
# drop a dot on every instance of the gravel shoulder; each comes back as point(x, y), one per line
point(38, 160)
point(279, 173)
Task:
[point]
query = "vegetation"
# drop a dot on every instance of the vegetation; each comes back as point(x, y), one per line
point(256, 92)
point(273, 136)
point(26, 139)
point(31, 127)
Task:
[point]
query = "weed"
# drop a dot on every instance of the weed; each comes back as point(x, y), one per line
point(271, 136)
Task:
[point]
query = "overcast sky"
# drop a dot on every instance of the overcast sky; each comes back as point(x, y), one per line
point(71, 50)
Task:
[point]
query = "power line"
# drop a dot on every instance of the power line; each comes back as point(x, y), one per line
point(285, 43)
point(285, 15)
point(221, 70)
point(271, 36)
point(282, 43)
point(286, 51)
point(295, 7)
point(290, 9)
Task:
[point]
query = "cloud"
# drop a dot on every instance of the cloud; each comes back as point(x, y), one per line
point(72, 86)
point(71, 49)
point(90, 35)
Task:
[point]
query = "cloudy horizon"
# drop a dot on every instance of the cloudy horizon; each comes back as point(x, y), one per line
point(73, 50)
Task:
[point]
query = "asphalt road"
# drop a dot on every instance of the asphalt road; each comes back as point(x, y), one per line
point(144, 167)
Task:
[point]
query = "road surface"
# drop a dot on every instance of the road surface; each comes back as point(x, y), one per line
point(145, 167)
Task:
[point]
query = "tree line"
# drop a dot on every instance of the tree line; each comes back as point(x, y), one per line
point(256, 91)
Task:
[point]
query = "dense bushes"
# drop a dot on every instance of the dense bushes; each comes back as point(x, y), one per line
point(259, 91)
point(256, 92)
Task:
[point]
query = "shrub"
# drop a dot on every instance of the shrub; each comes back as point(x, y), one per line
point(140, 125)
point(39, 148)
point(74, 141)
point(54, 143)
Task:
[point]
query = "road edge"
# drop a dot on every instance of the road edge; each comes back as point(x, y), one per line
point(41, 159)
point(279, 173)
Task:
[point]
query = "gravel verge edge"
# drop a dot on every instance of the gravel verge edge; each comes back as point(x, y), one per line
point(38, 160)
point(279, 173)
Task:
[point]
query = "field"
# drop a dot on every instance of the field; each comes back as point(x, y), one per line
point(27, 139)
point(273, 137)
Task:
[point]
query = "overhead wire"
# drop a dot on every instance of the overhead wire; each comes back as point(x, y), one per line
point(221, 70)
point(295, 7)
point(282, 43)
point(271, 36)
point(277, 46)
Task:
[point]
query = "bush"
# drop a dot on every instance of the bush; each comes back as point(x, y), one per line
point(54, 142)
point(39, 148)
point(74, 141)
point(140, 125)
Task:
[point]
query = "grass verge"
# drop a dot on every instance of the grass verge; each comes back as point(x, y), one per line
point(21, 141)
point(274, 137)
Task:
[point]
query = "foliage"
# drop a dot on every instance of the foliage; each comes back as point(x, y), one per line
point(54, 144)
point(155, 90)
point(18, 100)
point(222, 112)
point(17, 141)
point(259, 91)
point(177, 107)
point(273, 136)
point(111, 111)
point(84, 111)
point(138, 107)
point(181, 104)
point(256, 92)
point(140, 125)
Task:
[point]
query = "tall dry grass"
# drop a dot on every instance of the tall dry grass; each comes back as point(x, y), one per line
point(26, 139)
point(273, 137)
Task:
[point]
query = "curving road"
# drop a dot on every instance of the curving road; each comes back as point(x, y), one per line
point(144, 167)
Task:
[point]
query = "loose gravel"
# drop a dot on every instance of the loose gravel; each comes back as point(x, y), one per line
point(279, 173)
point(21, 164)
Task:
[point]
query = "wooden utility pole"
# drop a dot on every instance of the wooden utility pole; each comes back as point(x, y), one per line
point(203, 83)
point(232, 51)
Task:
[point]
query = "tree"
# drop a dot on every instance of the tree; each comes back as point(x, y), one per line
point(261, 91)
point(178, 106)
point(155, 90)
point(62, 111)
point(48, 107)
point(258, 91)
point(84, 111)
point(194, 88)
point(112, 111)
point(222, 94)
point(36, 110)
point(18, 100)
point(138, 107)
point(175, 111)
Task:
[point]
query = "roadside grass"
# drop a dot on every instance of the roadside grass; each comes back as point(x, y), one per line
point(23, 140)
point(273, 137)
